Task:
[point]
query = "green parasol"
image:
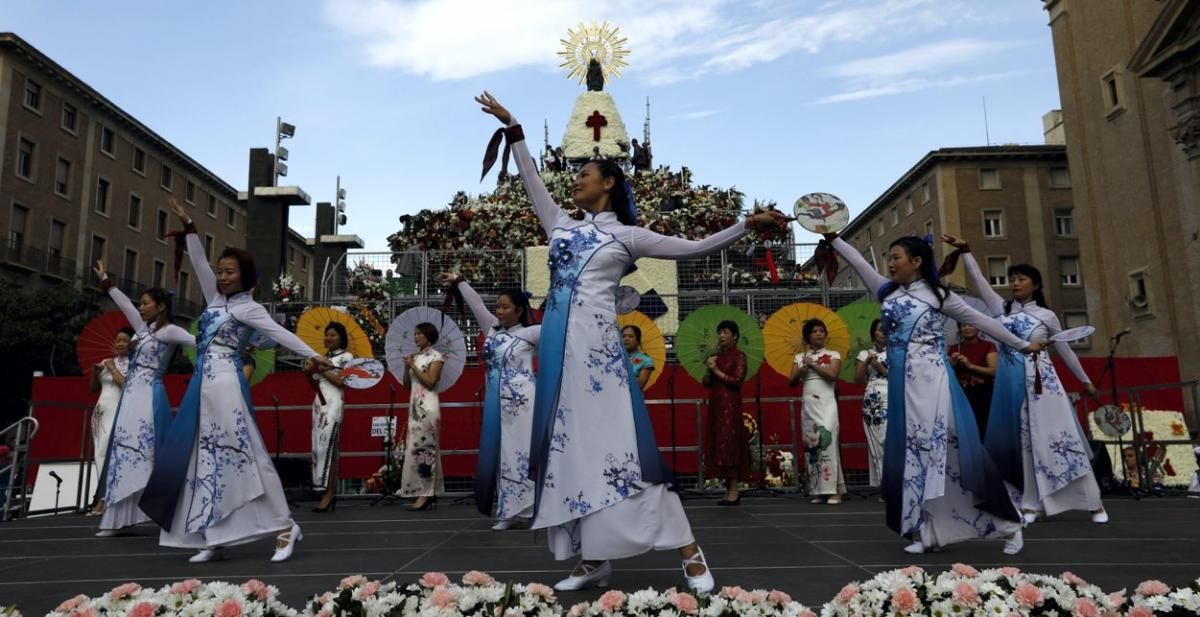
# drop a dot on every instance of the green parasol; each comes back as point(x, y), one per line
point(696, 339)
point(858, 317)
point(264, 354)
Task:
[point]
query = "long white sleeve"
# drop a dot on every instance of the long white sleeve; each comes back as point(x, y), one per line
point(989, 296)
point(254, 315)
point(204, 273)
point(645, 243)
point(487, 320)
point(1063, 349)
point(960, 311)
point(547, 211)
point(533, 334)
point(127, 309)
point(872, 279)
point(174, 335)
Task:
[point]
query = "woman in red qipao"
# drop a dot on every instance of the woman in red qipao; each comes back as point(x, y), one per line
point(728, 454)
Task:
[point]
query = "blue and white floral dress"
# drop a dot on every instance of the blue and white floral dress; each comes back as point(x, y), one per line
point(214, 484)
point(939, 483)
point(874, 411)
point(1035, 437)
point(601, 483)
point(143, 414)
point(502, 474)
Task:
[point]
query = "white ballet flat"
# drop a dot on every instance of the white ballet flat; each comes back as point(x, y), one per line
point(293, 536)
point(503, 525)
point(917, 548)
point(108, 533)
point(1029, 517)
point(702, 583)
point(208, 554)
point(593, 576)
point(1013, 545)
point(1100, 518)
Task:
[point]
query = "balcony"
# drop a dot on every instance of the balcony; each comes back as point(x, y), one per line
point(20, 255)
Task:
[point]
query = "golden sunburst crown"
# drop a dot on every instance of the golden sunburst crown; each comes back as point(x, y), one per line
point(587, 41)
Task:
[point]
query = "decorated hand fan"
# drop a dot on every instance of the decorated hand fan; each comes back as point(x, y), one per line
point(1073, 334)
point(362, 373)
point(628, 299)
point(1112, 420)
point(822, 213)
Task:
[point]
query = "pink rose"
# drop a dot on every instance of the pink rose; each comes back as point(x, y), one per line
point(731, 592)
point(965, 594)
point(1010, 571)
point(904, 600)
point(779, 597)
point(144, 609)
point(475, 577)
point(846, 594)
point(1153, 588)
point(611, 601)
point(911, 571)
point(963, 569)
point(745, 597)
point(541, 590)
point(579, 610)
point(758, 597)
point(325, 598)
point(256, 588)
point(808, 613)
point(1028, 596)
point(432, 580)
point(229, 608)
point(442, 598)
point(1084, 607)
point(685, 602)
point(69, 605)
point(185, 588)
point(324, 614)
point(86, 612)
point(124, 591)
point(1117, 599)
point(1073, 579)
point(369, 590)
point(352, 581)
point(1141, 611)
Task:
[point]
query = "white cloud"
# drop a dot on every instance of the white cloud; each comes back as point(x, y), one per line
point(928, 58)
point(915, 85)
point(695, 115)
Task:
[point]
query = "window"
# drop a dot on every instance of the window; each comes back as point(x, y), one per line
point(62, 177)
point(895, 217)
point(209, 243)
point(25, 152)
point(292, 255)
point(103, 187)
point(997, 270)
point(1139, 294)
point(33, 95)
point(925, 195)
point(58, 233)
point(183, 285)
point(908, 205)
point(139, 160)
point(870, 255)
point(1069, 267)
point(130, 271)
point(16, 227)
point(108, 141)
point(1060, 178)
point(1111, 90)
point(160, 229)
point(993, 223)
point(159, 271)
point(304, 263)
point(929, 227)
point(868, 233)
point(166, 178)
point(880, 229)
point(230, 217)
point(70, 117)
point(212, 206)
point(989, 179)
point(1075, 319)
point(135, 211)
point(189, 192)
point(97, 248)
point(1064, 223)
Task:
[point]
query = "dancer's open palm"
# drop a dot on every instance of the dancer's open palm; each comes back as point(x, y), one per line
point(493, 107)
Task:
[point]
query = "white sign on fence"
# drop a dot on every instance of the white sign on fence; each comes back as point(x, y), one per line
point(379, 426)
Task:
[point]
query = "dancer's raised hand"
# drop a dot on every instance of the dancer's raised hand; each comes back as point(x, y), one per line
point(493, 107)
point(953, 241)
point(101, 273)
point(178, 210)
point(771, 219)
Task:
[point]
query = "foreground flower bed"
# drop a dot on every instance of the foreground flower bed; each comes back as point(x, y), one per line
point(908, 592)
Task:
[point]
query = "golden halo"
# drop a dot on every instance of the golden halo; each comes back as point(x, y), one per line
point(600, 41)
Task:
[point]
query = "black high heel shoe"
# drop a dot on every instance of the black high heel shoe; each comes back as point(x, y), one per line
point(730, 502)
point(430, 504)
point(330, 507)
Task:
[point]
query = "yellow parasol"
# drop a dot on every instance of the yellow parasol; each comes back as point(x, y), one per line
point(783, 334)
point(311, 329)
point(653, 343)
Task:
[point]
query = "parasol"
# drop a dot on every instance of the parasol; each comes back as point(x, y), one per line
point(858, 317)
point(311, 329)
point(696, 339)
point(263, 354)
point(653, 343)
point(95, 342)
point(450, 343)
point(784, 338)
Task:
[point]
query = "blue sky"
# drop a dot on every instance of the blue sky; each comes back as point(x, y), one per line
point(776, 97)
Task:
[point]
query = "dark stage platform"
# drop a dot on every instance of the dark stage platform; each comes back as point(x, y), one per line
point(809, 551)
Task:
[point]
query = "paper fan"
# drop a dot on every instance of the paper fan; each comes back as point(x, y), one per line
point(821, 213)
point(311, 329)
point(450, 343)
point(696, 339)
point(783, 334)
point(362, 373)
point(95, 342)
point(653, 343)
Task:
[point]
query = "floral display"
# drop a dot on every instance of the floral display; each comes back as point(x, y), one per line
point(478, 594)
point(190, 597)
point(286, 288)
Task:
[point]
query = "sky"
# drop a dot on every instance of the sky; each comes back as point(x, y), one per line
point(777, 98)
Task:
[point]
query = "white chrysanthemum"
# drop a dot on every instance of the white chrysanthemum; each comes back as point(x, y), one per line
point(995, 606)
point(1187, 598)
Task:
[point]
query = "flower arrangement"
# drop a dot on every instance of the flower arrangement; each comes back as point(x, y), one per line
point(729, 602)
point(192, 597)
point(286, 288)
point(477, 595)
point(1156, 599)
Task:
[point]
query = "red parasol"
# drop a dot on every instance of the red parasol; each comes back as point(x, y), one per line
point(95, 342)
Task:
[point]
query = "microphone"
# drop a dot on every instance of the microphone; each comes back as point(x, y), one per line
point(1122, 333)
point(275, 399)
point(57, 478)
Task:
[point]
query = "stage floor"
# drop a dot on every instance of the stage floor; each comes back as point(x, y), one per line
point(785, 543)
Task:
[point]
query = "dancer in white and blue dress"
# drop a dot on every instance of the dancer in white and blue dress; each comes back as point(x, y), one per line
point(871, 368)
point(143, 413)
point(214, 484)
point(108, 378)
point(1033, 433)
point(601, 483)
point(939, 483)
point(502, 473)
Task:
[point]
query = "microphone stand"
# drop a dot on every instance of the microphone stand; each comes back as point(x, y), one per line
point(762, 488)
point(57, 489)
point(279, 446)
point(389, 465)
point(1110, 368)
point(470, 497)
